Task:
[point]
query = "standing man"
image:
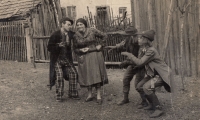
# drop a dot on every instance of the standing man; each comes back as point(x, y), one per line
point(130, 44)
point(61, 63)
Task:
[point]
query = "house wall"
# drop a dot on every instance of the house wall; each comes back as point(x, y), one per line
point(81, 6)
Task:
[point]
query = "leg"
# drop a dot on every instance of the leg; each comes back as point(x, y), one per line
point(149, 89)
point(59, 82)
point(98, 88)
point(128, 76)
point(73, 81)
point(89, 97)
point(139, 88)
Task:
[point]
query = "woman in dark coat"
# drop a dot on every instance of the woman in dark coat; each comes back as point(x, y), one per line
point(157, 71)
point(91, 66)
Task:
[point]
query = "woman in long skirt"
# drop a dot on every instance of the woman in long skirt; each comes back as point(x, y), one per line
point(91, 66)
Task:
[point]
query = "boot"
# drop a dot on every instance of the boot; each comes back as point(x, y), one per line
point(150, 105)
point(144, 101)
point(125, 100)
point(156, 105)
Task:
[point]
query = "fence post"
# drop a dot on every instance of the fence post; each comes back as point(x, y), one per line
point(28, 45)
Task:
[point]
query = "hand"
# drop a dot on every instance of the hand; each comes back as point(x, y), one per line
point(125, 63)
point(125, 53)
point(84, 50)
point(61, 44)
point(98, 47)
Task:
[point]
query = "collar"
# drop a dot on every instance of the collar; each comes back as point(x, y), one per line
point(63, 32)
point(83, 35)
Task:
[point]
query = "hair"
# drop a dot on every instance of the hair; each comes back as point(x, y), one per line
point(82, 21)
point(63, 20)
point(149, 42)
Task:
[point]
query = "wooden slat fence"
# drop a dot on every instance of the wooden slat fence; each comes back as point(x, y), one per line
point(12, 41)
point(153, 14)
point(42, 55)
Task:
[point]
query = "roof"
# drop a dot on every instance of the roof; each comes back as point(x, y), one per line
point(15, 8)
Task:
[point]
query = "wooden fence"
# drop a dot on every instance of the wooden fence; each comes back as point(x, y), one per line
point(13, 41)
point(155, 14)
point(42, 55)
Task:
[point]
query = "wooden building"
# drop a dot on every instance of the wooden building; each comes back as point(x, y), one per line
point(22, 19)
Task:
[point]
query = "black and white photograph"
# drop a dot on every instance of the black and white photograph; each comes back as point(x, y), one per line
point(99, 59)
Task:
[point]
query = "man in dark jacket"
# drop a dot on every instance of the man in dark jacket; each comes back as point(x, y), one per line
point(61, 63)
point(130, 44)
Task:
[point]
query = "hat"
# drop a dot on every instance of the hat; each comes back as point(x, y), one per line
point(66, 19)
point(82, 21)
point(147, 34)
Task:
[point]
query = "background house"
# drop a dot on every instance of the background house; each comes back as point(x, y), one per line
point(78, 8)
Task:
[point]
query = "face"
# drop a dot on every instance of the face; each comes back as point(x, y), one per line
point(67, 26)
point(142, 40)
point(80, 27)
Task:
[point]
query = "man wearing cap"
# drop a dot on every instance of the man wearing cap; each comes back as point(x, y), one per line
point(158, 72)
point(130, 44)
point(61, 63)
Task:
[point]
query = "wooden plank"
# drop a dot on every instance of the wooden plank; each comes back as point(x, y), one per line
point(186, 46)
point(1, 40)
point(107, 63)
point(15, 40)
point(158, 24)
point(137, 20)
point(41, 32)
point(192, 41)
point(6, 41)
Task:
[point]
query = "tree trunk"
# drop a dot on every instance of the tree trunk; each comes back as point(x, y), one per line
point(167, 29)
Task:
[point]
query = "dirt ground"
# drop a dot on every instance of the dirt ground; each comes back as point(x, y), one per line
point(24, 95)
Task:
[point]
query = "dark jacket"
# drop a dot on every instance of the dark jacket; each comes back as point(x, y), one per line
point(129, 45)
point(55, 50)
point(152, 60)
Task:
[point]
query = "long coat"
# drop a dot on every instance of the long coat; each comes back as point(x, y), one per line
point(54, 50)
point(152, 60)
point(91, 66)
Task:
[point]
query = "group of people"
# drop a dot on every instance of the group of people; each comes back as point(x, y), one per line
point(142, 60)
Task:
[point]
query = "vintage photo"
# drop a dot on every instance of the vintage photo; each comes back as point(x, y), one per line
point(99, 59)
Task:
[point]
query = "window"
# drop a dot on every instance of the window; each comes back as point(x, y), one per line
point(122, 10)
point(71, 11)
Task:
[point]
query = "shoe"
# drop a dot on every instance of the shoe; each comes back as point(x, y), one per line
point(149, 107)
point(88, 99)
point(59, 99)
point(156, 113)
point(99, 101)
point(74, 98)
point(142, 105)
point(123, 102)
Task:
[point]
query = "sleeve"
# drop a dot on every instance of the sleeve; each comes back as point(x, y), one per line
point(101, 35)
point(120, 46)
point(75, 46)
point(144, 60)
point(52, 45)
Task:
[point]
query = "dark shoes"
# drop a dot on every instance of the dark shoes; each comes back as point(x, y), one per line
point(124, 101)
point(74, 98)
point(99, 101)
point(142, 105)
point(149, 107)
point(59, 99)
point(156, 113)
